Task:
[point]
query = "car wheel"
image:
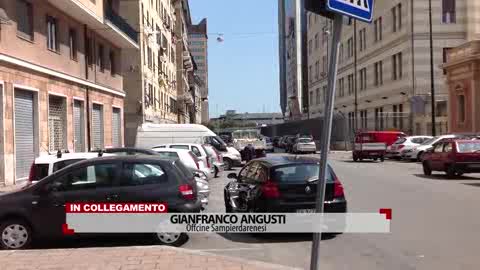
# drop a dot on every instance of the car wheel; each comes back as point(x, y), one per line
point(171, 239)
point(228, 164)
point(15, 234)
point(459, 174)
point(426, 169)
point(382, 159)
point(451, 173)
point(375, 159)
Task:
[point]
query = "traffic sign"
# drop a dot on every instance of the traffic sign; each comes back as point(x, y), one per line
point(358, 9)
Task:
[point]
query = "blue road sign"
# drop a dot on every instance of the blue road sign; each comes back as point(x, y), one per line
point(358, 9)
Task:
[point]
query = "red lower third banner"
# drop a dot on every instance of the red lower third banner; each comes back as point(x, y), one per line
point(153, 218)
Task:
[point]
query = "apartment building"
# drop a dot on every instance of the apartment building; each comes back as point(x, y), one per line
point(185, 62)
point(384, 69)
point(198, 44)
point(150, 73)
point(61, 85)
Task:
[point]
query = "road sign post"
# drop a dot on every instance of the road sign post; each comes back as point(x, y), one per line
point(361, 10)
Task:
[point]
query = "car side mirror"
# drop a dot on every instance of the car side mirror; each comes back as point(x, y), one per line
point(53, 187)
point(232, 176)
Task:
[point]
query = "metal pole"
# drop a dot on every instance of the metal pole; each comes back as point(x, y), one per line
point(432, 79)
point(355, 57)
point(325, 139)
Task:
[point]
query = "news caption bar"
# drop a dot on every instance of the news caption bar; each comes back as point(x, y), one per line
point(154, 218)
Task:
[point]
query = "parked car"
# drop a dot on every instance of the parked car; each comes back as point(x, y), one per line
point(404, 144)
point(282, 184)
point(373, 144)
point(218, 163)
point(281, 142)
point(46, 165)
point(187, 157)
point(417, 152)
point(37, 210)
point(304, 145)
point(199, 151)
point(453, 156)
point(269, 145)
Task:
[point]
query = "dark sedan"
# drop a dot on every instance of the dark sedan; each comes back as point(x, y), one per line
point(38, 210)
point(282, 184)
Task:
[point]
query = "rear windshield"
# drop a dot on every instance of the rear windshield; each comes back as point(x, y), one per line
point(185, 147)
point(40, 171)
point(299, 173)
point(401, 140)
point(304, 140)
point(168, 155)
point(468, 147)
point(64, 163)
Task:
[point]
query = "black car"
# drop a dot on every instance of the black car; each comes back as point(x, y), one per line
point(38, 210)
point(282, 184)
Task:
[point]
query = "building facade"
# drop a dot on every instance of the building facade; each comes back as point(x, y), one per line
point(185, 63)
point(150, 73)
point(292, 56)
point(384, 67)
point(61, 85)
point(198, 43)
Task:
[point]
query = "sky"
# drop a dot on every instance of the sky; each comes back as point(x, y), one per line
point(243, 70)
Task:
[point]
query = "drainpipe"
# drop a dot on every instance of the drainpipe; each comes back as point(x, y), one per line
point(87, 101)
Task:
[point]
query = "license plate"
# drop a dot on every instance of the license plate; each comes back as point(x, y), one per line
point(306, 211)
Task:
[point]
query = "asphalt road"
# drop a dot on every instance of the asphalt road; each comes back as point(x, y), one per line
point(435, 223)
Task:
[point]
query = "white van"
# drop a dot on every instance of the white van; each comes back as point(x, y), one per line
point(152, 135)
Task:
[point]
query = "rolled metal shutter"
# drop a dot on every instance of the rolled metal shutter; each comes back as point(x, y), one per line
point(97, 126)
point(116, 127)
point(24, 133)
point(79, 126)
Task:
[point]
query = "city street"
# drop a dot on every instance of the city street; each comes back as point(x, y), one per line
point(434, 224)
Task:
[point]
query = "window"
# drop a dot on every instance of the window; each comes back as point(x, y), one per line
point(317, 41)
point(57, 122)
point(310, 73)
point(395, 116)
point(113, 68)
point(437, 148)
point(317, 70)
point(52, 34)
point(341, 87)
point(379, 118)
point(310, 46)
point(397, 17)
point(311, 98)
point(325, 93)
point(341, 53)
point(317, 101)
point(445, 58)
point(397, 66)
point(91, 177)
point(196, 151)
point(378, 29)
point(378, 73)
point(324, 65)
point(449, 11)
point(72, 41)
point(461, 108)
point(24, 19)
point(350, 84)
point(363, 79)
point(363, 39)
point(101, 60)
point(350, 47)
point(89, 51)
point(140, 174)
point(149, 57)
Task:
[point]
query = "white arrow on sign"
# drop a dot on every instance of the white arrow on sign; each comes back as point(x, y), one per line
point(360, 4)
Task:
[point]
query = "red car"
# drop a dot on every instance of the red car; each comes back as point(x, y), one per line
point(453, 156)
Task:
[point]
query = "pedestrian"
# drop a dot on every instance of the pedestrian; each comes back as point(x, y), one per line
point(249, 151)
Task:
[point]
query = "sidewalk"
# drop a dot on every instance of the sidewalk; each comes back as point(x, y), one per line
point(126, 258)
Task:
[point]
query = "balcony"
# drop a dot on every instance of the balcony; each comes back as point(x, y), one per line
point(121, 24)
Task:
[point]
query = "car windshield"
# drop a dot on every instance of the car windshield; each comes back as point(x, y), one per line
point(430, 141)
point(468, 147)
point(400, 140)
point(298, 173)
